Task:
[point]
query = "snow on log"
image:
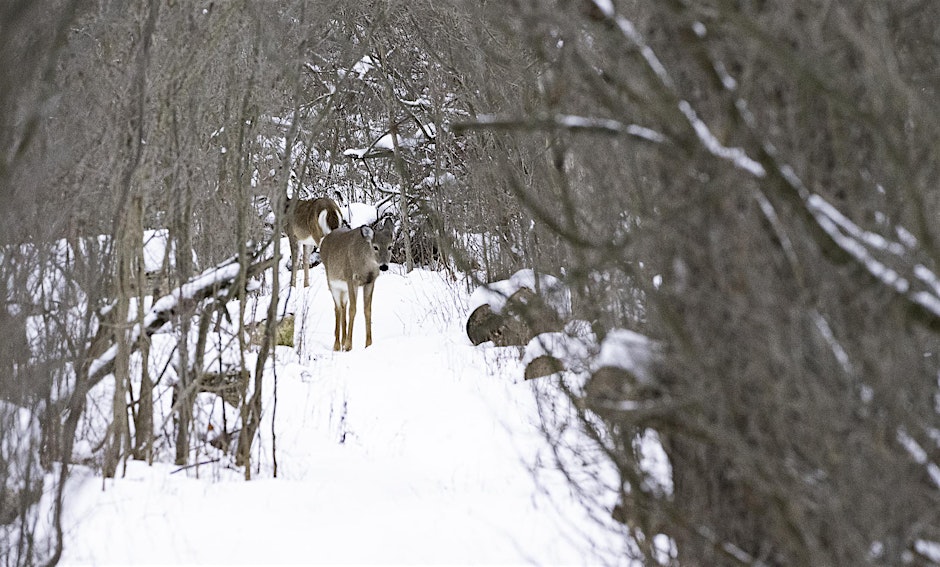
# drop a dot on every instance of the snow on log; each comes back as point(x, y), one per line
point(553, 352)
point(630, 351)
point(495, 294)
point(622, 377)
point(214, 282)
point(511, 312)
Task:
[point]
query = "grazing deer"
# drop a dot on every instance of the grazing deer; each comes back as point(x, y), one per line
point(307, 223)
point(354, 258)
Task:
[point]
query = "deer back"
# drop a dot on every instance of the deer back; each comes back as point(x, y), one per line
point(313, 219)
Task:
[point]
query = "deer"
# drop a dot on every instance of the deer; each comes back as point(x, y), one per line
point(307, 223)
point(354, 258)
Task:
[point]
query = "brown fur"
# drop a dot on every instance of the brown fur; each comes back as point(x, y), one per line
point(353, 259)
point(303, 223)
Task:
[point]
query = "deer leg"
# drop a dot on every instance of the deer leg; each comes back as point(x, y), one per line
point(344, 320)
point(339, 309)
point(367, 305)
point(306, 261)
point(352, 316)
point(293, 258)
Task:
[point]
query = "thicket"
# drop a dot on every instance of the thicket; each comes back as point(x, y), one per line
point(750, 184)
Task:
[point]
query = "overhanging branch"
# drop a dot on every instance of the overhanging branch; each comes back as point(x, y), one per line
point(568, 122)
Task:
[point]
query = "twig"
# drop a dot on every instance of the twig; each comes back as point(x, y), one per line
point(199, 464)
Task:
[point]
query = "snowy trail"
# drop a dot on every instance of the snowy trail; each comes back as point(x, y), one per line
point(412, 451)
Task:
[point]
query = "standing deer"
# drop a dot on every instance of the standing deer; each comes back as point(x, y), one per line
point(354, 258)
point(307, 223)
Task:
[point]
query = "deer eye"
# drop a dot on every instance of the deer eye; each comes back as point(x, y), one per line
point(376, 248)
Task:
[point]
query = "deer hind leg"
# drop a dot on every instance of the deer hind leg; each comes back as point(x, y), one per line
point(367, 307)
point(338, 292)
point(347, 344)
point(306, 261)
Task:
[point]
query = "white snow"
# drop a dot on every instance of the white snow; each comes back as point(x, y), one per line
point(155, 249)
point(358, 214)
point(905, 237)
point(628, 350)
point(919, 455)
point(929, 549)
point(357, 153)
point(655, 463)
point(570, 121)
point(574, 122)
point(421, 449)
point(385, 145)
point(834, 224)
point(645, 133)
point(363, 66)
point(605, 6)
point(928, 277)
point(826, 331)
point(432, 180)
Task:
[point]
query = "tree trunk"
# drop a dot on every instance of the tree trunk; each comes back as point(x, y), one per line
point(143, 418)
point(183, 250)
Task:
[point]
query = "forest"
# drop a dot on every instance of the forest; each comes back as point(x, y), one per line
point(735, 199)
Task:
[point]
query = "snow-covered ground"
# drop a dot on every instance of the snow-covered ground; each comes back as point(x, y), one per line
point(421, 449)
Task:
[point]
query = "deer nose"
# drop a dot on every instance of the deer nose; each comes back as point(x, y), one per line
point(384, 267)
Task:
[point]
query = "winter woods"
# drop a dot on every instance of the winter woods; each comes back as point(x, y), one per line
point(748, 185)
point(759, 175)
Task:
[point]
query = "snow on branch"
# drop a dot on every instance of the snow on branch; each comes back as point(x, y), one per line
point(885, 260)
point(385, 145)
point(918, 284)
point(737, 156)
point(562, 122)
point(870, 239)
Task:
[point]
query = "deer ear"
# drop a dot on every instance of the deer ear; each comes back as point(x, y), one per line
point(366, 232)
point(389, 224)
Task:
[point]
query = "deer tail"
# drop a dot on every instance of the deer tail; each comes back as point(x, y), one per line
point(328, 220)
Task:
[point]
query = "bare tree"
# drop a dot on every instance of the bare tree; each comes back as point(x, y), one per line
point(754, 179)
point(118, 120)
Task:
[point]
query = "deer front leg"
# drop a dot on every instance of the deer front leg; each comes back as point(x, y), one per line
point(352, 316)
point(293, 258)
point(367, 304)
point(339, 305)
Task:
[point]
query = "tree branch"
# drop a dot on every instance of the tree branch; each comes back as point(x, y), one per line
point(561, 122)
